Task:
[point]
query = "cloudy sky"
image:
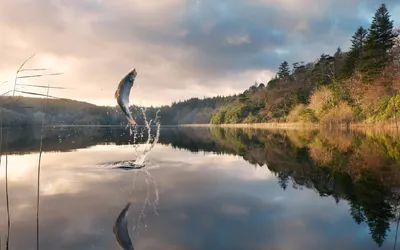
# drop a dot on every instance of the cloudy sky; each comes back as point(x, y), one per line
point(180, 48)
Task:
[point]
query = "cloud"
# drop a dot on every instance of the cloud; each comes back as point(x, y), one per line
point(181, 48)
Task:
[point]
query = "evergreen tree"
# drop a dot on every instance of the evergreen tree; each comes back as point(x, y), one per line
point(353, 57)
point(358, 39)
point(380, 40)
point(338, 56)
point(323, 71)
point(297, 66)
point(272, 83)
point(283, 71)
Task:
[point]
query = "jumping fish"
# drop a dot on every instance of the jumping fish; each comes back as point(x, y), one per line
point(120, 229)
point(122, 94)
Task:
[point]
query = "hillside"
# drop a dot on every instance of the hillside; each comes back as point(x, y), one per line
point(359, 85)
point(22, 111)
point(30, 111)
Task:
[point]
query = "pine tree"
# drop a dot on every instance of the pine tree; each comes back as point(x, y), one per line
point(380, 40)
point(338, 63)
point(353, 57)
point(358, 39)
point(324, 70)
point(283, 70)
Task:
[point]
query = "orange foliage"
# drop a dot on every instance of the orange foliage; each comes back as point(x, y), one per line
point(320, 97)
point(339, 114)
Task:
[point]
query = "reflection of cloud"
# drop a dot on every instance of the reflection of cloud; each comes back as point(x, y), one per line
point(209, 207)
point(19, 167)
point(57, 176)
point(232, 165)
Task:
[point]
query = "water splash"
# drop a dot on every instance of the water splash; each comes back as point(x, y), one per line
point(149, 144)
point(148, 201)
point(138, 134)
point(138, 165)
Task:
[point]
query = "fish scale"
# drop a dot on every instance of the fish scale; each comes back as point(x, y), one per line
point(122, 94)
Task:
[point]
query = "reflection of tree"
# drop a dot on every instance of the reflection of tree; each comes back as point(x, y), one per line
point(356, 212)
point(283, 180)
point(28, 140)
point(350, 169)
point(373, 198)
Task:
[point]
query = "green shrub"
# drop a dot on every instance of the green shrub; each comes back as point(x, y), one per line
point(218, 117)
point(293, 115)
point(307, 115)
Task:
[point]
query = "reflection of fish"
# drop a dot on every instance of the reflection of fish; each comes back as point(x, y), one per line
point(121, 229)
point(129, 167)
point(122, 94)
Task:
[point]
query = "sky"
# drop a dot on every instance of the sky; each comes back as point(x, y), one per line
point(180, 48)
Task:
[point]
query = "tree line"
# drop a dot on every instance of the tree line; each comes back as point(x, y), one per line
point(27, 111)
point(359, 85)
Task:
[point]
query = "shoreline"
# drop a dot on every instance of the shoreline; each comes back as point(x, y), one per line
point(292, 126)
point(354, 126)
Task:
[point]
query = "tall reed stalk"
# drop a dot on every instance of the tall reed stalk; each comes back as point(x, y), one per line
point(1, 150)
point(7, 199)
point(17, 76)
point(38, 171)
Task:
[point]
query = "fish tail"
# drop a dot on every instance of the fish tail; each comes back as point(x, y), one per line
point(131, 121)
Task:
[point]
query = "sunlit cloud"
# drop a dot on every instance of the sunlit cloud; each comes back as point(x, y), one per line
point(181, 48)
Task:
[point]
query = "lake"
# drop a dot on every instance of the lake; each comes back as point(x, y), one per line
point(200, 188)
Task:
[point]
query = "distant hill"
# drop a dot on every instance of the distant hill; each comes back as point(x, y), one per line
point(22, 111)
point(30, 111)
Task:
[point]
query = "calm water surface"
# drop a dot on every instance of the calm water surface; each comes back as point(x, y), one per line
point(216, 189)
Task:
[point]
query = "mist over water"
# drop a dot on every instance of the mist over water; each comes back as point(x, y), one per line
point(202, 188)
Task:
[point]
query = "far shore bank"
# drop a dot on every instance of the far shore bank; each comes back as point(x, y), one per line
point(387, 127)
point(355, 126)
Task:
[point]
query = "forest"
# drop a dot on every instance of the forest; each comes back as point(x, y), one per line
point(29, 111)
point(356, 86)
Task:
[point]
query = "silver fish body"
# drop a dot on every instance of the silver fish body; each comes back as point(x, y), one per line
point(120, 229)
point(122, 94)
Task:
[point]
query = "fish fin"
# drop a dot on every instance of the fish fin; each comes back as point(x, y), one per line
point(131, 121)
point(116, 94)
